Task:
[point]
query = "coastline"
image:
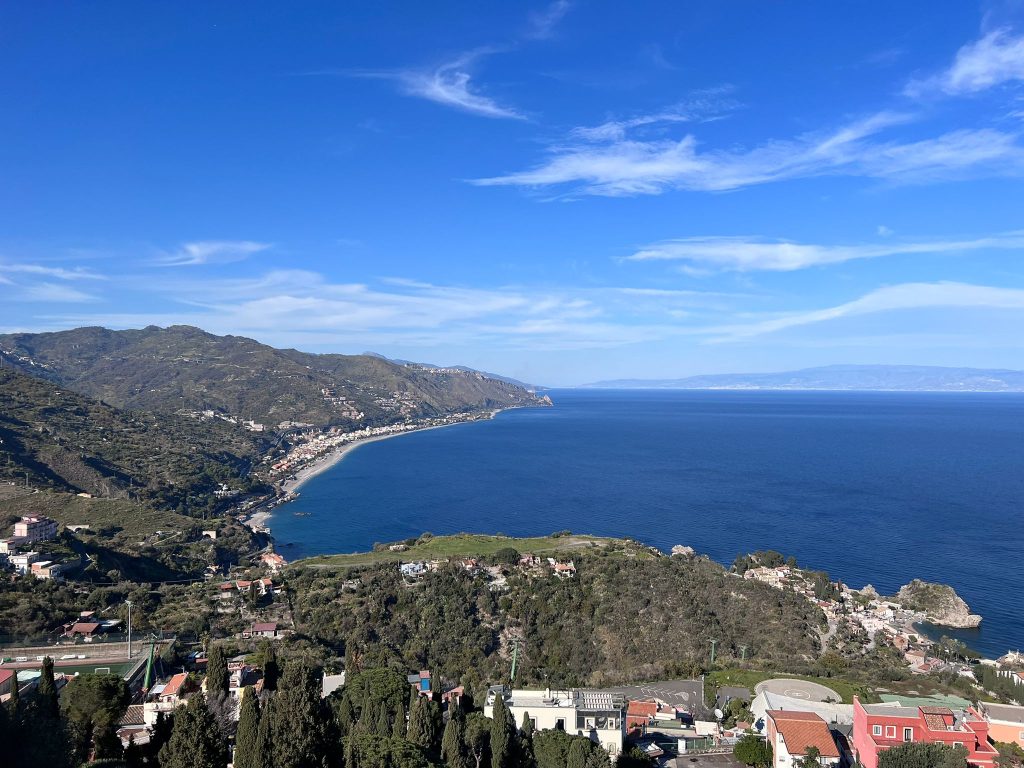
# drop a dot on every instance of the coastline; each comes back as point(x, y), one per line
point(322, 464)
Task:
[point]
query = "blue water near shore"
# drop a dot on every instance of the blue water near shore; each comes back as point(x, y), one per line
point(875, 488)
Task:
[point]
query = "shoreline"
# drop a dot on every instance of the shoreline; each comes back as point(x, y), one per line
point(323, 463)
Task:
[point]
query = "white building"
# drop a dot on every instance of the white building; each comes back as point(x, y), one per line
point(791, 736)
point(601, 717)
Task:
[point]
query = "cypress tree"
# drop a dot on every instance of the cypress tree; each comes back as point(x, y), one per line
point(271, 671)
point(195, 740)
point(217, 676)
point(578, 754)
point(398, 727)
point(246, 737)
point(133, 754)
point(435, 726)
point(350, 752)
point(264, 750)
point(383, 726)
point(451, 743)
point(501, 734)
point(47, 691)
point(347, 716)
point(413, 698)
point(419, 726)
point(526, 756)
point(300, 724)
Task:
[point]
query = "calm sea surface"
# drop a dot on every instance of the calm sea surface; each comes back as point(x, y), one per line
point(875, 488)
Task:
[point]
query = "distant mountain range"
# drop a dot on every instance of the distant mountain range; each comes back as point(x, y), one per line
point(466, 369)
point(898, 378)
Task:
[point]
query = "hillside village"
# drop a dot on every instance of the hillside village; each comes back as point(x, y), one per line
point(667, 723)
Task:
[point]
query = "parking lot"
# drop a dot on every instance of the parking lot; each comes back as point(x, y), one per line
point(688, 694)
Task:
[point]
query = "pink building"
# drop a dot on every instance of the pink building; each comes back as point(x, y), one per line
point(33, 529)
point(878, 727)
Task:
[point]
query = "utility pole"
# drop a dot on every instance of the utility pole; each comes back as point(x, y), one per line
point(714, 645)
point(515, 660)
point(129, 604)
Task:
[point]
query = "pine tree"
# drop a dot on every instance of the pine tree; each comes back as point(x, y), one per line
point(502, 728)
point(398, 727)
point(217, 677)
point(300, 723)
point(246, 737)
point(578, 754)
point(195, 740)
point(47, 691)
point(451, 743)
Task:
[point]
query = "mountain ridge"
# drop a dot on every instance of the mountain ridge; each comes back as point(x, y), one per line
point(898, 378)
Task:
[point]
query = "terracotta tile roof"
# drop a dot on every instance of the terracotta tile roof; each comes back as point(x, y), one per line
point(174, 685)
point(269, 626)
point(802, 730)
point(133, 716)
point(642, 709)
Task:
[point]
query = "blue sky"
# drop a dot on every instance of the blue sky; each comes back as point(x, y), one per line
point(562, 191)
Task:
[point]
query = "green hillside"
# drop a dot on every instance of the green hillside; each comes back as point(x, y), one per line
point(181, 368)
point(59, 440)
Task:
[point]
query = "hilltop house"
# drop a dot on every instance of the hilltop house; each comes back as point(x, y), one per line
point(878, 727)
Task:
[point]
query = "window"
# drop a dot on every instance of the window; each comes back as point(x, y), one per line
point(876, 730)
point(560, 724)
point(908, 734)
point(890, 731)
point(958, 743)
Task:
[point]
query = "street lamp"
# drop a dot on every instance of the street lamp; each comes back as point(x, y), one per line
point(129, 604)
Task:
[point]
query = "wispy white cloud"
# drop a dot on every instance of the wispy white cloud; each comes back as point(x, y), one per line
point(610, 163)
point(748, 254)
point(543, 23)
point(211, 252)
point(450, 84)
point(905, 296)
point(78, 273)
point(701, 108)
point(992, 60)
point(52, 293)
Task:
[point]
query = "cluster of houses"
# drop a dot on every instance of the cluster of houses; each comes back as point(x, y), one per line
point(18, 552)
point(528, 563)
point(865, 609)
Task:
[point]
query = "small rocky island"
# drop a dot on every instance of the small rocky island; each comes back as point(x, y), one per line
point(939, 602)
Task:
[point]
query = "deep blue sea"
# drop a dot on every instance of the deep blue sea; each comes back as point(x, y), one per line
point(873, 487)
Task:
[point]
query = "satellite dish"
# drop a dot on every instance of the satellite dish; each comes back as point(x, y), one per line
point(719, 714)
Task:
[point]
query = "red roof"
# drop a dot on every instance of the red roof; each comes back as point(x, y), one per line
point(642, 709)
point(84, 628)
point(174, 684)
point(269, 626)
point(803, 730)
point(5, 675)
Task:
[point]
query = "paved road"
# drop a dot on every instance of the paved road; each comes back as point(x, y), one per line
point(681, 693)
point(704, 761)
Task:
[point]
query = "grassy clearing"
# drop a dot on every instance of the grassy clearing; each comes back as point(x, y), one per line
point(69, 509)
point(748, 678)
point(466, 545)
